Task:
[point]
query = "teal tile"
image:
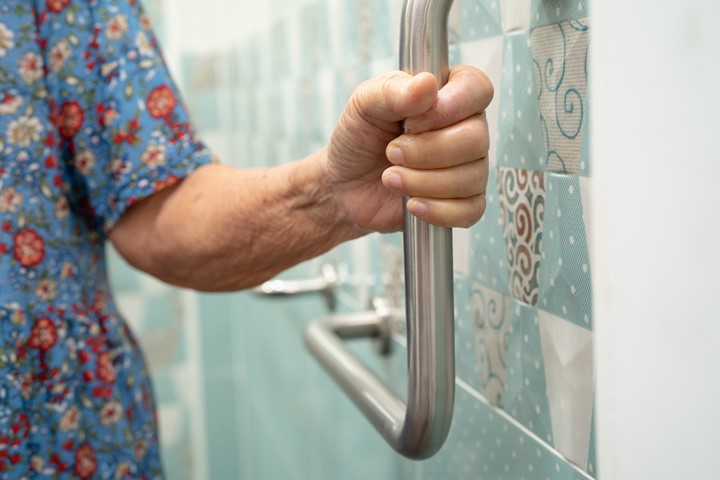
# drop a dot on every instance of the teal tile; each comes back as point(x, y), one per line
point(221, 423)
point(565, 270)
point(201, 85)
point(164, 388)
point(519, 137)
point(526, 390)
point(488, 256)
point(215, 341)
point(366, 31)
point(466, 350)
point(479, 19)
point(484, 444)
point(592, 466)
point(123, 277)
point(545, 12)
point(315, 38)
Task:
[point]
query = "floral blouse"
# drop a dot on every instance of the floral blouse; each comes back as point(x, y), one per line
point(90, 123)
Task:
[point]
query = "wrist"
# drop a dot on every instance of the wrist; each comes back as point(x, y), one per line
point(318, 188)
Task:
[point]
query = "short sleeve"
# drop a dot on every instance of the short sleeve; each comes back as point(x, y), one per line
point(121, 125)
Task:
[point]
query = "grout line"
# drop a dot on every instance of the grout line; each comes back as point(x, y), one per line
point(509, 418)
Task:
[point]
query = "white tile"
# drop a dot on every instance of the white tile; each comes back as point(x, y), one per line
point(461, 251)
point(569, 374)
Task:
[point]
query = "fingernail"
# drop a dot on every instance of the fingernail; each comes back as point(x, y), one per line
point(392, 181)
point(395, 155)
point(417, 208)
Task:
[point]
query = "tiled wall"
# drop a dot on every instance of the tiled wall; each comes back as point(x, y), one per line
point(242, 398)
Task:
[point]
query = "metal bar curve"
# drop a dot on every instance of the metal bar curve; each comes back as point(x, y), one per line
point(417, 428)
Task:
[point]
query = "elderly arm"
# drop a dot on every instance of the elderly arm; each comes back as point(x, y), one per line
point(225, 228)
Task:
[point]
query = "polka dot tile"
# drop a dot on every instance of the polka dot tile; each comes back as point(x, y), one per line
point(545, 12)
point(479, 19)
point(520, 141)
point(565, 271)
point(488, 257)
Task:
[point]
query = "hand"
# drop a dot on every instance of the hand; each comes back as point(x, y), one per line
point(439, 159)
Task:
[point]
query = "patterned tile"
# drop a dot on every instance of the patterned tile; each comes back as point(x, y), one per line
point(560, 57)
point(522, 207)
point(491, 322)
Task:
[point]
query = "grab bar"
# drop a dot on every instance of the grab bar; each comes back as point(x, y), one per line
point(325, 284)
point(418, 428)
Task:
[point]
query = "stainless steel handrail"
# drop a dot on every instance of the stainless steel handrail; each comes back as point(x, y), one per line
point(416, 428)
point(325, 284)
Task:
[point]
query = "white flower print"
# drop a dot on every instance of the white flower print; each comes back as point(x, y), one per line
point(84, 161)
point(10, 105)
point(62, 208)
point(59, 53)
point(10, 199)
point(154, 156)
point(31, 67)
point(18, 317)
point(24, 131)
point(70, 420)
point(143, 44)
point(119, 167)
point(67, 271)
point(111, 413)
point(46, 290)
point(117, 27)
point(7, 39)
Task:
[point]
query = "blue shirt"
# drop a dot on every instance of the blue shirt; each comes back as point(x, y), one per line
point(90, 123)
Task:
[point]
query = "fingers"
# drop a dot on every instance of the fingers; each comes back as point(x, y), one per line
point(395, 96)
point(415, 99)
point(462, 213)
point(454, 145)
point(464, 181)
point(468, 92)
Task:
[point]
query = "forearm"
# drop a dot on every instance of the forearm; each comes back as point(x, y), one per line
point(226, 229)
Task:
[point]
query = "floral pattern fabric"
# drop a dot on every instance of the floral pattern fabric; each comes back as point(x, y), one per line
point(90, 123)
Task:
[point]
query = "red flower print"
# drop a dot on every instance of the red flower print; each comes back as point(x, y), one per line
point(85, 461)
point(161, 101)
point(56, 6)
point(22, 425)
point(83, 357)
point(29, 248)
point(105, 369)
point(51, 161)
point(70, 119)
point(43, 335)
point(162, 184)
point(3, 248)
point(141, 448)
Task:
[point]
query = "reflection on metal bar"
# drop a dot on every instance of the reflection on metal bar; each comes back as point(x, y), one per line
point(325, 284)
point(418, 428)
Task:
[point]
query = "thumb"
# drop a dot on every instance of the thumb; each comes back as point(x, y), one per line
point(396, 96)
